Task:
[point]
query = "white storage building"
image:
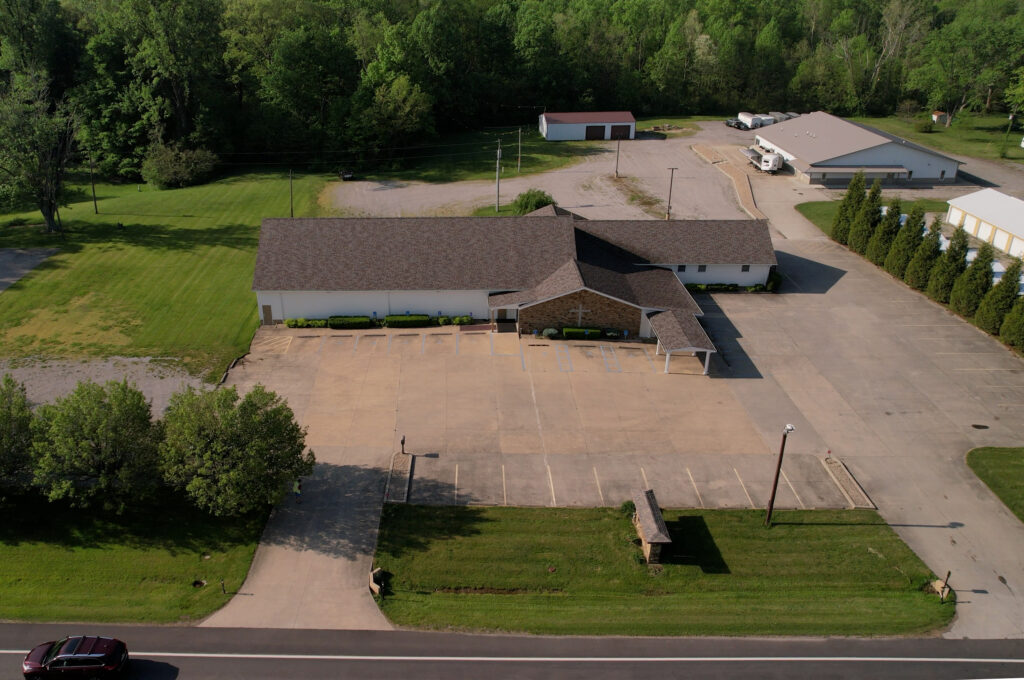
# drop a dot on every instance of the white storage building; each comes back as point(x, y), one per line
point(587, 125)
point(992, 216)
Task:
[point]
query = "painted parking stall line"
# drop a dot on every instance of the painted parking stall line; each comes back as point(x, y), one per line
point(611, 361)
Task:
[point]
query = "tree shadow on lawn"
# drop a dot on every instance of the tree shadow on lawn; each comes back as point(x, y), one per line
point(342, 506)
point(168, 522)
point(155, 236)
point(693, 544)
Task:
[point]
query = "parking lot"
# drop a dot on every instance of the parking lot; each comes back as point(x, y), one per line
point(495, 419)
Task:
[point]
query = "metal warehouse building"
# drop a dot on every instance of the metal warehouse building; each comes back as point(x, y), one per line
point(588, 125)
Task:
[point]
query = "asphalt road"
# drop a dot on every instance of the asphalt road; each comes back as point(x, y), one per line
point(167, 653)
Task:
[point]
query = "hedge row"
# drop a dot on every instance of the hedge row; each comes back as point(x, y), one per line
point(581, 333)
point(391, 321)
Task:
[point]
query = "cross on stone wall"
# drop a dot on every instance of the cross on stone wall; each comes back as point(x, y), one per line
point(579, 314)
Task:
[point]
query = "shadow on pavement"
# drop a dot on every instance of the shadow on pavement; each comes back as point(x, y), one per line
point(144, 669)
point(731, 361)
point(692, 543)
point(800, 275)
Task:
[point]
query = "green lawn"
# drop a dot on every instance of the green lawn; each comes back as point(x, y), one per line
point(174, 281)
point(1002, 469)
point(58, 564)
point(472, 155)
point(821, 213)
point(977, 135)
point(577, 571)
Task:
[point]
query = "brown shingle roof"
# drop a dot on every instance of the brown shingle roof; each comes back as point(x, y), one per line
point(687, 241)
point(411, 253)
point(649, 515)
point(680, 330)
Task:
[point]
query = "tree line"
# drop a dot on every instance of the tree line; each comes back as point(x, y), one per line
point(99, 446)
point(296, 81)
point(916, 257)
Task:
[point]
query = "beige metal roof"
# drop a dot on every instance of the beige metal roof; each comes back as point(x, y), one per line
point(819, 137)
point(995, 208)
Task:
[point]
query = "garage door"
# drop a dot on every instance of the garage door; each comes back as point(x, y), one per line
point(620, 132)
point(595, 132)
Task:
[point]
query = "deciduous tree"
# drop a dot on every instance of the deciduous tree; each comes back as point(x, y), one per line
point(15, 429)
point(230, 455)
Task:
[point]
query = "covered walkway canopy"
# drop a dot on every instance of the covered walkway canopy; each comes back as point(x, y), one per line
point(679, 331)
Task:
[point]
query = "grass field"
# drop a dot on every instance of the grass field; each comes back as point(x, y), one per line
point(577, 571)
point(174, 281)
point(59, 564)
point(472, 156)
point(821, 213)
point(1002, 469)
point(977, 135)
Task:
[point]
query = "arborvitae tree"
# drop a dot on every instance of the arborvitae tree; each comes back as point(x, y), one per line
point(1012, 330)
point(950, 266)
point(848, 208)
point(998, 301)
point(906, 243)
point(868, 216)
point(921, 264)
point(971, 286)
point(885, 233)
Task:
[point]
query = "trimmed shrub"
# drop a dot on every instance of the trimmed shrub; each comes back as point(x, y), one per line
point(462, 320)
point(550, 333)
point(1012, 330)
point(349, 322)
point(971, 286)
point(774, 281)
point(443, 320)
point(530, 200)
point(170, 166)
point(581, 333)
point(305, 323)
point(885, 234)
point(712, 287)
point(848, 208)
point(921, 264)
point(925, 126)
point(867, 219)
point(612, 333)
point(406, 320)
point(950, 266)
point(905, 244)
point(998, 301)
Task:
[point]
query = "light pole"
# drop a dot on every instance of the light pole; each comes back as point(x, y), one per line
point(672, 176)
point(778, 468)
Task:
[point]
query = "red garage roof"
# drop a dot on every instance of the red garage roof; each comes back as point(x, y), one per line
point(590, 117)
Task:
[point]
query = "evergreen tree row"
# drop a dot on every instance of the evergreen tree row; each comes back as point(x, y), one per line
point(908, 253)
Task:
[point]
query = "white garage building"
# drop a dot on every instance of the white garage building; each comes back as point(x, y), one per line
point(824, 149)
point(587, 125)
point(992, 216)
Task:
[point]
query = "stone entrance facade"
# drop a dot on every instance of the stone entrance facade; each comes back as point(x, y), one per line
point(582, 309)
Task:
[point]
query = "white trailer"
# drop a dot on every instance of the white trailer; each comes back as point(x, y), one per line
point(765, 162)
point(751, 120)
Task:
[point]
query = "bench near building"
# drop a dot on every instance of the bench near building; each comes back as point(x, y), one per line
point(545, 271)
point(587, 125)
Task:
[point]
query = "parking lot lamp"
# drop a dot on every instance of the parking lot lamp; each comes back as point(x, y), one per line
point(778, 468)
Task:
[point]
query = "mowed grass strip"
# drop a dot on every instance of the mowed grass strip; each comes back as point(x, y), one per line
point(62, 564)
point(821, 213)
point(1002, 469)
point(971, 134)
point(578, 571)
point(174, 280)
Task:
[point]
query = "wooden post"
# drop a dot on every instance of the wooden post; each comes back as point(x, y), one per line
point(618, 143)
point(92, 180)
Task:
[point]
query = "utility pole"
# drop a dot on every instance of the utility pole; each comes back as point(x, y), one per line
point(519, 158)
point(1002, 151)
point(291, 196)
point(497, 178)
point(618, 143)
point(92, 180)
point(778, 468)
point(671, 177)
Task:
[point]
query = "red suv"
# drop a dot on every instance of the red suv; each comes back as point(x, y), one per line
point(78, 656)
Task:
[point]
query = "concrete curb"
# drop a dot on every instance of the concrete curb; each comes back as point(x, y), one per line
point(848, 485)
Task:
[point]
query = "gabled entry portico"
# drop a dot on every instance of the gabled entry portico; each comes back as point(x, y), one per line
point(678, 333)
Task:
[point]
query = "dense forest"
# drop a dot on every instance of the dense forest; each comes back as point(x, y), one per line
point(117, 81)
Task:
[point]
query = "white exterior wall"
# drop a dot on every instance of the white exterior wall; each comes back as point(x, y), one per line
point(726, 273)
point(560, 132)
point(1016, 246)
point(923, 165)
point(645, 325)
point(771, 148)
point(322, 304)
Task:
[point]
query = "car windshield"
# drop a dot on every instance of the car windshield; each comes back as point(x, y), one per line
point(53, 650)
